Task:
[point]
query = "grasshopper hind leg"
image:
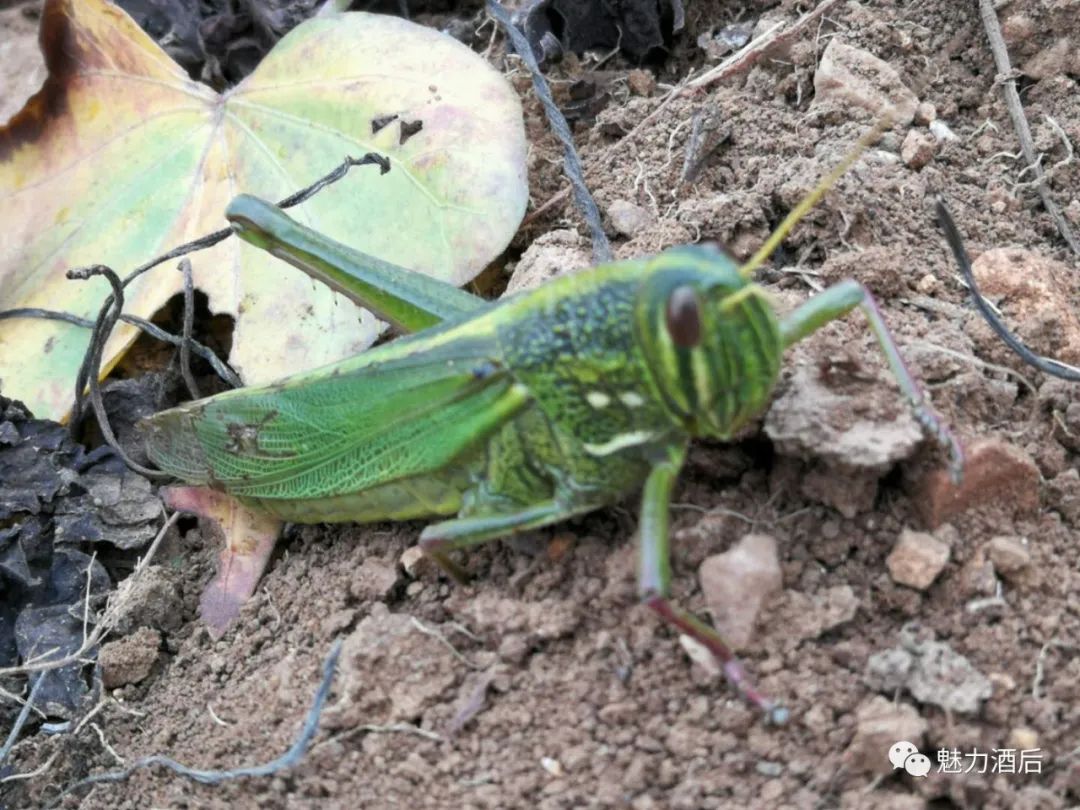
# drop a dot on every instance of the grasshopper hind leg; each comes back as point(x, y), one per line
point(440, 538)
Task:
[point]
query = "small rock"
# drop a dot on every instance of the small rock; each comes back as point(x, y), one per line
point(837, 606)
point(628, 219)
point(811, 420)
point(995, 472)
point(947, 679)
point(917, 559)
point(373, 580)
point(929, 284)
point(556, 253)
point(879, 723)
point(729, 38)
point(642, 82)
point(1022, 738)
point(151, 598)
point(130, 659)
point(941, 131)
point(976, 578)
point(1001, 682)
point(701, 655)
point(416, 563)
point(848, 76)
point(737, 583)
point(947, 534)
point(850, 433)
point(1010, 555)
point(1018, 29)
point(918, 149)
point(1051, 457)
point(1072, 211)
point(925, 113)
point(888, 671)
point(818, 720)
point(799, 616)
point(770, 769)
point(939, 675)
point(552, 766)
point(513, 648)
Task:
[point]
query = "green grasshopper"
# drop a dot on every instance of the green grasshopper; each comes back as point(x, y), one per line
point(502, 417)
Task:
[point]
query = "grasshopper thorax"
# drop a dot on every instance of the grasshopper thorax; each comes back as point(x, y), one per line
point(710, 338)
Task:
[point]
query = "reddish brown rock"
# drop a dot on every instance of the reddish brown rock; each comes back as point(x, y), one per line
point(995, 473)
point(917, 559)
point(130, 659)
point(1030, 289)
point(1010, 555)
point(925, 113)
point(918, 149)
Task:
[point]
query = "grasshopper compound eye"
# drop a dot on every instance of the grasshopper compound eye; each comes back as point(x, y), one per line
point(683, 317)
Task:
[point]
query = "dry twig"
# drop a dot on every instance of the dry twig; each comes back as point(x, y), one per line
point(557, 122)
point(749, 56)
point(1007, 78)
point(189, 323)
point(154, 331)
point(20, 721)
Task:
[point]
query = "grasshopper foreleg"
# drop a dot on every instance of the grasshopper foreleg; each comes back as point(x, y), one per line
point(837, 301)
point(654, 582)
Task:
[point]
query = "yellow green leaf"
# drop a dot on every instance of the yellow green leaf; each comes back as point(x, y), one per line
point(120, 157)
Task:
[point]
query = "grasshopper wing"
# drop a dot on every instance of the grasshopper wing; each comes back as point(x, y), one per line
point(405, 409)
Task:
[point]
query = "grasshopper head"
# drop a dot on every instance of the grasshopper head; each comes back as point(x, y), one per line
point(710, 338)
point(709, 334)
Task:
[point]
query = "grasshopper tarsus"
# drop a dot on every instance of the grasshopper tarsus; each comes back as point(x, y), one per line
point(733, 670)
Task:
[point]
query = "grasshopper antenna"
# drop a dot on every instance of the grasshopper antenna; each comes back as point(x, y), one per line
point(811, 199)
